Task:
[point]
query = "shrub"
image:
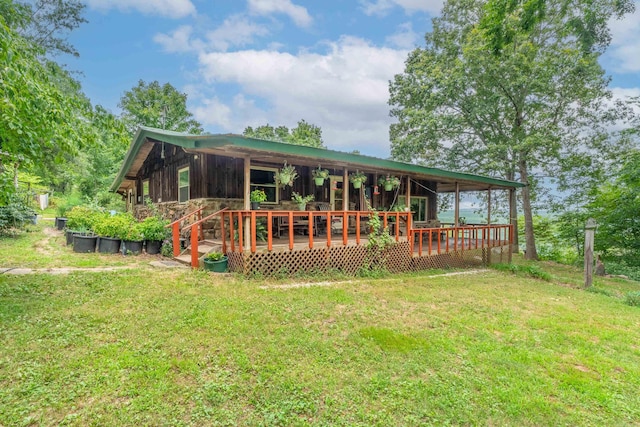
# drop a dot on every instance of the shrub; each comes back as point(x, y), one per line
point(82, 218)
point(15, 214)
point(114, 226)
point(214, 256)
point(153, 228)
point(633, 299)
point(133, 233)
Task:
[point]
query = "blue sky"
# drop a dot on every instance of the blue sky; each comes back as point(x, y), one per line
point(251, 62)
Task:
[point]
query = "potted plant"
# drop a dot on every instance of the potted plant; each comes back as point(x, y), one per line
point(286, 175)
point(79, 222)
point(132, 239)
point(256, 197)
point(357, 179)
point(216, 262)
point(301, 201)
point(389, 182)
point(154, 231)
point(319, 175)
point(110, 228)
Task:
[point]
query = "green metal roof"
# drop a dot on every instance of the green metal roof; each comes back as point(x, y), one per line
point(197, 142)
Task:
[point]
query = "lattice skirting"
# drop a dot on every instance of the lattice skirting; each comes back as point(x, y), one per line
point(350, 259)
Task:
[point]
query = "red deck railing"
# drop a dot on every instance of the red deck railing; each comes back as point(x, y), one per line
point(446, 239)
point(345, 224)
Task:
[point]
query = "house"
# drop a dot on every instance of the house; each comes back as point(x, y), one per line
point(214, 175)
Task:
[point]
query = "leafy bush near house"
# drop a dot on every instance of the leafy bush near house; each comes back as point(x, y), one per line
point(154, 228)
point(82, 218)
point(133, 233)
point(114, 226)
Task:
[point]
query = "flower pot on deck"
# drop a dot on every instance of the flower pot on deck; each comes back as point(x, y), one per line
point(109, 245)
point(84, 243)
point(219, 266)
point(132, 247)
point(255, 206)
point(153, 246)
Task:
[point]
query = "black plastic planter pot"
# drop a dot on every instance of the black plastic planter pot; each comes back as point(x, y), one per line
point(131, 247)
point(108, 245)
point(153, 246)
point(69, 235)
point(84, 244)
point(62, 223)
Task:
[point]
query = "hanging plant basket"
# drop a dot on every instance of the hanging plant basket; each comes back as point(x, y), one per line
point(286, 175)
point(357, 179)
point(319, 175)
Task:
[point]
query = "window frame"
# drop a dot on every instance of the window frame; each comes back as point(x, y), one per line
point(188, 186)
point(145, 195)
point(270, 185)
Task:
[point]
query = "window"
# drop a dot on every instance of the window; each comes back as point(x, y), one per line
point(145, 190)
point(183, 185)
point(419, 208)
point(265, 178)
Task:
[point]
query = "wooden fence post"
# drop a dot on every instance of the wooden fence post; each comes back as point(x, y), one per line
point(589, 231)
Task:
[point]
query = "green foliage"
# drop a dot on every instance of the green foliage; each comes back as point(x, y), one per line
point(166, 249)
point(258, 195)
point(486, 81)
point(150, 104)
point(531, 270)
point(133, 233)
point(154, 228)
point(82, 218)
point(214, 256)
point(302, 200)
point(358, 176)
point(633, 299)
point(320, 173)
point(14, 215)
point(304, 134)
point(391, 180)
point(286, 175)
point(114, 226)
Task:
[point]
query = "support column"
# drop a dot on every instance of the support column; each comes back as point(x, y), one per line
point(489, 206)
point(345, 190)
point(247, 201)
point(456, 208)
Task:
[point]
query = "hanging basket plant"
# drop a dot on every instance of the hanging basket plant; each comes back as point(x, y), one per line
point(357, 179)
point(319, 175)
point(389, 182)
point(286, 175)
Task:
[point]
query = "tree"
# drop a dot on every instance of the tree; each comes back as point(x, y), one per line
point(615, 207)
point(39, 119)
point(509, 88)
point(48, 23)
point(304, 134)
point(157, 106)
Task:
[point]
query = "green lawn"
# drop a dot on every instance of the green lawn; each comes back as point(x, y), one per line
point(181, 347)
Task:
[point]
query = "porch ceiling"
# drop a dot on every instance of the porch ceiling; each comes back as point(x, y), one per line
point(260, 151)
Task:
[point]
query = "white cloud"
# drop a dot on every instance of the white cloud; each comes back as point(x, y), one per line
point(404, 37)
point(168, 8)
point(179, 40)
point(382, 7)
point(344, 91)
point(298, 14)
point(236, 30)
point(625, 43)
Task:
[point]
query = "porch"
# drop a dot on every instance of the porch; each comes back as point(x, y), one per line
point(256, 242)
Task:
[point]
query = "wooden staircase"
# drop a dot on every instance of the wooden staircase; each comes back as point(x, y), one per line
point(204, 247)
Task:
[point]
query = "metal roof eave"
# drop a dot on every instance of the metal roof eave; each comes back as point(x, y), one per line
point(197, 142)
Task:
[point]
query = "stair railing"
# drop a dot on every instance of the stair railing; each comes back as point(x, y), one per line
point(196, 231)
point(175, 229)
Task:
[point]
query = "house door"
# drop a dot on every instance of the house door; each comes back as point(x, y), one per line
point(336, 193)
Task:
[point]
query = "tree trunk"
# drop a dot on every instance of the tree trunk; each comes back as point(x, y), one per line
point(513, 214)
point(530, 242)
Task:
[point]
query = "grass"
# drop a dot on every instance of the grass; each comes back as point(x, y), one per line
point(41, 246)
point(158, 347)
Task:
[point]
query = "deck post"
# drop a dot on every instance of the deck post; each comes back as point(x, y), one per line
point(247, 201)
point(456, 208)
